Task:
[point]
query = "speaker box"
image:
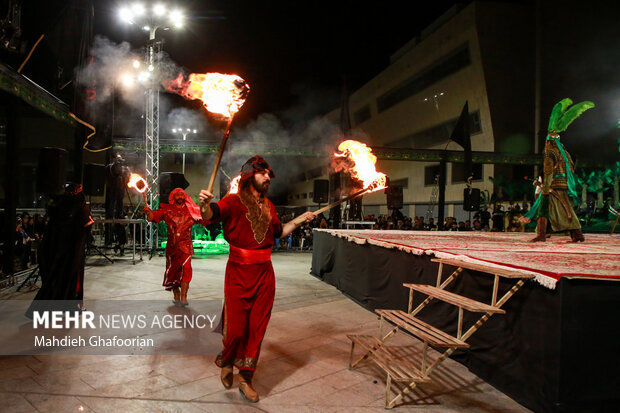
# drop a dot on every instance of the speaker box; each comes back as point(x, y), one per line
point(321, 191)
point(471, 199)
point(168, 181)
point(94, 179)
point(394, 197)
point(52, 171)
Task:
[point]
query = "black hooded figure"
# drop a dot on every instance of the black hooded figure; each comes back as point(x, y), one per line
point(62, 252)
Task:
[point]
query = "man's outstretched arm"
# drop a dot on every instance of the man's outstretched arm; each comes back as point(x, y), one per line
point(290, 226)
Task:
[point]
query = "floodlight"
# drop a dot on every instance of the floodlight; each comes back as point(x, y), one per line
point(126, 15)
point(159, 10)
point(177, 17)
point(138, 9)
point(143, 77)
point(127, 80)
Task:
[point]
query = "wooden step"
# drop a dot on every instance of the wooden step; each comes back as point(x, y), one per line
point(506, 273)
point(420, 329)
point(398, 368)
point(455, 299)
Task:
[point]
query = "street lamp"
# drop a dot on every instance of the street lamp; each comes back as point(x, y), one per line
point(435, 99)
point(184, 132)
point(150, 19)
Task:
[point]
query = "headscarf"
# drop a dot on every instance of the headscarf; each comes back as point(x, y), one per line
point(194, 210)
point(253, 165)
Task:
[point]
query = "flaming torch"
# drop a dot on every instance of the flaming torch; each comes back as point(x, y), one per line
point(139, 184)
point(220, 94)
point(234, 185)
point(356, 159)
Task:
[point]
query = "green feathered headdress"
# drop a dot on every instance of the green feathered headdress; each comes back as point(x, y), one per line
point(562, 115)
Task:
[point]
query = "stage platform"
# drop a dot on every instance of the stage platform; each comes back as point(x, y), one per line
point(555, 349)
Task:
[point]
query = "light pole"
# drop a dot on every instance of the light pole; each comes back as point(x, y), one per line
point(435, 99)
point(151, 19)
point(183, 132)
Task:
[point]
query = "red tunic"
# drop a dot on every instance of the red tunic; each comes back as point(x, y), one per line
point(249, 287)
point(179, 248)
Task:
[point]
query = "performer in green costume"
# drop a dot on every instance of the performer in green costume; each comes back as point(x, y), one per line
point(554, 203)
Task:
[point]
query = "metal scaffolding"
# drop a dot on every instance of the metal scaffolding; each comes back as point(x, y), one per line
point(151, 136)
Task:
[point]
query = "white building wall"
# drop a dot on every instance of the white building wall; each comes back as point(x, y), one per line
point(421, 111)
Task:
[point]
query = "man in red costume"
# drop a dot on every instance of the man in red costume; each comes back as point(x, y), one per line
point(250, 226)
point(179, 215)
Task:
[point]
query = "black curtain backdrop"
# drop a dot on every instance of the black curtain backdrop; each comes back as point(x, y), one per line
point(553, 350)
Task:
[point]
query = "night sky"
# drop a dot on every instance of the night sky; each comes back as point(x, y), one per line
point(286, 50)
point(295, 54)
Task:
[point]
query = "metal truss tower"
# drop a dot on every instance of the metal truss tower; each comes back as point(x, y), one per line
point(151, 136)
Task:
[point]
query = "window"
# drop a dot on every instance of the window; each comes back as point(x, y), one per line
point(441, 68)
point(458, 172)
point(430, 172)
point(361, 115)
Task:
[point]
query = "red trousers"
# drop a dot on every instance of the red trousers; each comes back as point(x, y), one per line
point(249, 290)
point(178, 268)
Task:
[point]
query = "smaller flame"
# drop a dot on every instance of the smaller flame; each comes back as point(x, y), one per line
point(137, 182)
point(234, 185)
point(219, 93)
point(357, 159)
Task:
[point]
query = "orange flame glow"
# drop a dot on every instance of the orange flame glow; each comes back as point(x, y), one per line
point(137, 182)
point(219, 93)
point(234, 185)
point(357, 159)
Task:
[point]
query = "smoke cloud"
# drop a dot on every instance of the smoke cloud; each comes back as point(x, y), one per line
point(115, 76)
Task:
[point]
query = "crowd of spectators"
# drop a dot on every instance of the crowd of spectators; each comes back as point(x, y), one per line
point(495, 218)
point(29, 232)
point(503, 218)
point(301, 238)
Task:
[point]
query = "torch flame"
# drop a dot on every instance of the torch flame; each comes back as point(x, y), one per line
point(137, 182)
point(358, 160)
point(219, 93)
point(234, 185)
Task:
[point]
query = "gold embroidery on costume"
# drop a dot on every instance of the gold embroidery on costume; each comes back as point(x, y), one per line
point(247, 362)
point(259, 214)
point(222, 363)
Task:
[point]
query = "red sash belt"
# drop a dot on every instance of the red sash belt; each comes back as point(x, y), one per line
point(243, 256)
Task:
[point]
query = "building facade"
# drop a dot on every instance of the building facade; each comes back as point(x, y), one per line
point(483, 54)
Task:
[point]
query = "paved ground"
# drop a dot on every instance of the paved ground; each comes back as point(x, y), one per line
point(303, 364)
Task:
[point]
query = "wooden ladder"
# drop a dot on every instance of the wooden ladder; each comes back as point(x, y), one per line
point(400, 370)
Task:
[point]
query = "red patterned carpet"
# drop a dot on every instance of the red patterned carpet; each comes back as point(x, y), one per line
point(598, 257)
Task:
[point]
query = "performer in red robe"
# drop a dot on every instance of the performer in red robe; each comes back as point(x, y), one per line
point(250, 226)
point(179, 215)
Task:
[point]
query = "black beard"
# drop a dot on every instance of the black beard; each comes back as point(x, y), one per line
point(179, 201)
point(261, 189)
